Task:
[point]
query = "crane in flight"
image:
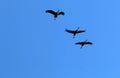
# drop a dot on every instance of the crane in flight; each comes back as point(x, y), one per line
point(84, 43)
point(55, 13)
point(74, 32)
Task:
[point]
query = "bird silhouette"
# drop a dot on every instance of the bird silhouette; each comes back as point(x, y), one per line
point(55, 13)
point(74, 32)
point(84, 43)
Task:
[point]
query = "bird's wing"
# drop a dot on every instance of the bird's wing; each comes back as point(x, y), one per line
point(79, 43)
point(61, 13)
point(89, 43)
point(80, 31)
point(50, 11)
point(69, 31)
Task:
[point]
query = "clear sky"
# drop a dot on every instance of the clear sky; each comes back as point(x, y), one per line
point(34, 45)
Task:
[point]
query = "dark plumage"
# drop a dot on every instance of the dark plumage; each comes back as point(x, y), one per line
point(55, 13)
point(84, 43)
point(74, 32)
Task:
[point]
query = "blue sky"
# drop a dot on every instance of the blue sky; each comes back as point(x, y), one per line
point(34, 45)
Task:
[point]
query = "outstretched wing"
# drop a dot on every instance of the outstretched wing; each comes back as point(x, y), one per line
point(69, 31)
point(80, 31)
point(61, 13)
point(50, 11)
point(89, 43)
point(80, 43)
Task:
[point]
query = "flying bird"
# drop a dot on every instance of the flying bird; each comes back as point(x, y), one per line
point(55, 13)
point(84, 43)
point(74, 32)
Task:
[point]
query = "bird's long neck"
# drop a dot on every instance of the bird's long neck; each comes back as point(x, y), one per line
point(77, 29)
point(85, 41)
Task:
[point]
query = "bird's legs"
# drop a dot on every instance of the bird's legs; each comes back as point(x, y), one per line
point(74, 35)
point(82, 45)
point(54, 18)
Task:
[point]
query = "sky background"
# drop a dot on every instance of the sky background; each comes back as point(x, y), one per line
point(34, 45)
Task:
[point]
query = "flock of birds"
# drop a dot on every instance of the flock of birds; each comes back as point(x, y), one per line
point(74, 32)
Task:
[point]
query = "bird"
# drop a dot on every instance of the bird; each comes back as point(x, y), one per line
point(74, 32)
point(84, 43)
point(55, 13)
